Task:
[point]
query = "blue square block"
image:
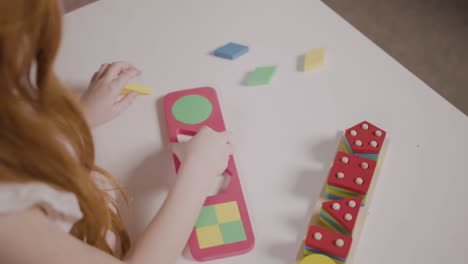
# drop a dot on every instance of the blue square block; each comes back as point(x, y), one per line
point(231, 51)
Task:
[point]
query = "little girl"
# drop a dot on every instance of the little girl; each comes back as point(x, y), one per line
point(52, 211)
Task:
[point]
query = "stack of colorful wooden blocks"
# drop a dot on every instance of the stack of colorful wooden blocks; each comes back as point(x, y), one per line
point(341, 210)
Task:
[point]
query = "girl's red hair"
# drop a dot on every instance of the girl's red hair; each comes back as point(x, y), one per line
point(43, 134)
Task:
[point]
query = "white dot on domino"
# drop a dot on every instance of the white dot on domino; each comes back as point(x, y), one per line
point(318, 236)
point(336, 206)
point(340, 175)
point(374, 143)
point(378, 133)
point(359, 180)
point(358, 143)
point(353, 133)
point(344, 159)
point(352, 204)
point(365, 165)
point(348, 217)
point(365, 126)
point(339, 242)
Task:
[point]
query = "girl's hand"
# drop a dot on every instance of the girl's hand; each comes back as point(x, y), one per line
point(207, 152)
point(101, 101)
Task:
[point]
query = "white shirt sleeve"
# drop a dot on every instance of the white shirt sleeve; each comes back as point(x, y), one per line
point(61, 207)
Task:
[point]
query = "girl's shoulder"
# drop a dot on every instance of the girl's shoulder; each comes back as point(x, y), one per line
point(60, 206)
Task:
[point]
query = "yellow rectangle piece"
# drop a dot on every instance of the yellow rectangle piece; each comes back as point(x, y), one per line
point(308, 253)
point(209, 236)
point(227, 212)
point(314, 59)
point(131, 87)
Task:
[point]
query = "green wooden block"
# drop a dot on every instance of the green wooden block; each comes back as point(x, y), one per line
point(233, 232)
point(207, 217)
point(261, 76)
point(192, 109)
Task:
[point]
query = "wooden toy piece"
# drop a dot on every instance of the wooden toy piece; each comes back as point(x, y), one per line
point(261, 76)
point(350, 176)
point(326, 242)
point(314, 59)
point(363, 211)
point(131, 87)
point(341, 215)
point(219, 224)
point(364, 140)
point(223, 228)
point(317, 259)
point(231, 51)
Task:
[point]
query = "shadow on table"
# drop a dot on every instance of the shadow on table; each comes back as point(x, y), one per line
point(309, 185)
point(300, 63)
point(245, 78)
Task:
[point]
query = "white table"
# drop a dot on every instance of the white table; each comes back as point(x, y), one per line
point(286, 132)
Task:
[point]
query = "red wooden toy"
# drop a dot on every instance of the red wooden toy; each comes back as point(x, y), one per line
point(341, 215)
point(350, 176)
point(326, 242)
point(365, 140)
point(223, 228)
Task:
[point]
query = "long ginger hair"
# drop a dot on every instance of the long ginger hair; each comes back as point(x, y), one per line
point(43, 134)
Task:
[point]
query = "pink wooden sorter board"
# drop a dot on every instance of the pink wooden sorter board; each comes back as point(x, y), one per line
point(223, 228)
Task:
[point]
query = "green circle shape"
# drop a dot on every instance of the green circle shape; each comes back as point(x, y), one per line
point(192, 109)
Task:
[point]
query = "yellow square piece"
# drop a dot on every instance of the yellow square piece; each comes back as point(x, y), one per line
point(227, 212)
point(137, 88)
point(314, 59)
point(209, 236)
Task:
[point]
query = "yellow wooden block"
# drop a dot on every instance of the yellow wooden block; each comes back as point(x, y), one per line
point(317, 259)
point(209, 236)
point(227, 212)
point(314, 59)
point(345, 196)
point(136, 88)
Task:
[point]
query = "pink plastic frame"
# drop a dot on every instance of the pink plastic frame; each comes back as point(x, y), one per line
point(233, 191)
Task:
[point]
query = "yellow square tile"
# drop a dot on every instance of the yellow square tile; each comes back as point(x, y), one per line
point(314, 59)
point(209, 236)
point(227, 212)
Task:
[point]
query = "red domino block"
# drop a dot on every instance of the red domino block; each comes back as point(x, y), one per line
point(342, 214)
point(349, 172)
point(325, 241)
point(365, 138)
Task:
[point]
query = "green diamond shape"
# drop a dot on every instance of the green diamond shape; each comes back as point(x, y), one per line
point(207, 217)
point(261, 76)
point(233, 232)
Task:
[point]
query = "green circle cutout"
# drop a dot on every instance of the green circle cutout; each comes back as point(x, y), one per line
point(192, 109)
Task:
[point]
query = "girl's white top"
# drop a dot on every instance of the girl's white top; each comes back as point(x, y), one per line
point(61, 207)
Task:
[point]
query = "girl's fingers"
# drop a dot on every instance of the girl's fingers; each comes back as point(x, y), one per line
point(124, 78)
point(95, 77)
point(232, 149)
point(124, 103)
point(113, 71)
point(227, 136)
point(102, 69)
point(206, 129)
point(176, 149)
